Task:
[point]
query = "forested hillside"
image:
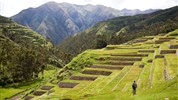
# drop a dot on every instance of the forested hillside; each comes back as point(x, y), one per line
point(24, 53)
point(122, 29)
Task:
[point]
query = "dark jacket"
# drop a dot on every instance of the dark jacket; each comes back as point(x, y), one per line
point(134, 85)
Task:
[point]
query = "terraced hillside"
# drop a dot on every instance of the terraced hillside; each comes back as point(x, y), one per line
point(121, 30)
point(27, 59)
point(108, 73)
point(19, 34)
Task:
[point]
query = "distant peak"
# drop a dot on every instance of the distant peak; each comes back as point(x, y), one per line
point(51, 3)
point(88, 5)
point(125, 9)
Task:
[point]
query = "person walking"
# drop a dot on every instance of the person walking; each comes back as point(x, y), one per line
point(134, 87)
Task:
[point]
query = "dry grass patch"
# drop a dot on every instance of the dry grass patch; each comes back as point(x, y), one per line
point(168, 52)
point(121, 63)
point(67, 84)
point(28, 97)
point(171, 46)
point(39, 93)
point(107, 67)
point(87, 78)
point(166, 38)
point(96, 72)
point(150, 61)
point(159, 56)
point(131, 55)
point(126, 59)
point(47, 87)
point(161, 41)
point(149, 51)
point(140, 40)
point(141, 65)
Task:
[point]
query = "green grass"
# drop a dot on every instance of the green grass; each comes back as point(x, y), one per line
point(19, 87)
point(117, 86)
point(173, 33)
point(168, 89)
point(7, 92)
point(172, 67)
point(158, 71)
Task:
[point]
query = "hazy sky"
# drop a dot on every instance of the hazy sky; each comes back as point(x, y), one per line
point(11, 7)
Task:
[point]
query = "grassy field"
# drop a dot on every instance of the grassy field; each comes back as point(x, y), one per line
point(19, 87)
point(151, 81)
point(149, 75)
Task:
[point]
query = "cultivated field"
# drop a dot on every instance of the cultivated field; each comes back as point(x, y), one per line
point(108, 73)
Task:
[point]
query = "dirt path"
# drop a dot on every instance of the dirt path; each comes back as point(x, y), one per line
point(151, 71)
point(166, 76)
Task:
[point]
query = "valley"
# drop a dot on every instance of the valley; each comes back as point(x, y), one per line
point(64, 51)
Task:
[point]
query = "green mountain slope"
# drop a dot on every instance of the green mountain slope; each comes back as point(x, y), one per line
point(108, 73)
point(20, 34)
point(20, 52)
point(122, 29)
point(27, 59)
point(24, 53)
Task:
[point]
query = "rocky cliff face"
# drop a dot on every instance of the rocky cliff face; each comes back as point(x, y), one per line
point(59, 20)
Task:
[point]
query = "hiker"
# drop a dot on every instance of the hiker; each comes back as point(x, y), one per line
point(134, 87)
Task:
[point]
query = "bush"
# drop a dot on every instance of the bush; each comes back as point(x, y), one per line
point(81, 61)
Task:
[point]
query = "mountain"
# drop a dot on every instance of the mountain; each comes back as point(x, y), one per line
point(127, 12)
point(24, 53)
point(57, 21)
point(122, 29)
point(105, 73)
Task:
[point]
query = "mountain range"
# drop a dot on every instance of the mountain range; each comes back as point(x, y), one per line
point(122, 29)
point(29, 62)
point(57, 21)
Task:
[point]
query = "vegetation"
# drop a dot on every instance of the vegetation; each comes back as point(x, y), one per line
point(152, 84)
point(26, 57)
point(122, 29)
point(17, 88)
point(24, 53)
point(18, 63)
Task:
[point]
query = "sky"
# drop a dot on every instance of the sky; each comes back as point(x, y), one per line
point(9, 8)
